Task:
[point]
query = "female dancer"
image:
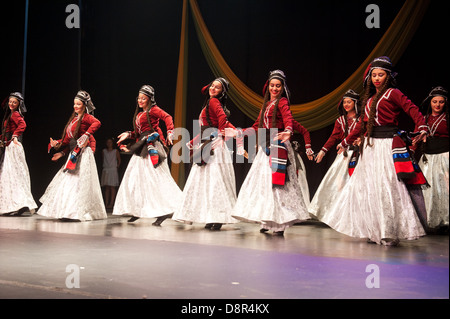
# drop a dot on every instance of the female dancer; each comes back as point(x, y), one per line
point(435, 161)
point(15, 188)
point(338, 173)
point(375, 203)
point(270, 194)
point(147, 189)
point(75, 193)
point(210, 191)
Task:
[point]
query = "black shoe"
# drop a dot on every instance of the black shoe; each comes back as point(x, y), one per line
point(263, 230)
point(279, 233)
point(159, 220)
point(69, 220)
point(132, 219)
point(216, 226)
point(209, 226)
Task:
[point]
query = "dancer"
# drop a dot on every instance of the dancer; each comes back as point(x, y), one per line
point(74, 194)
point(270, 194)
point(338, 173)
point(15, 188)
point(147, 189)
point(110, 175)
point(210, 191)
point(375, 203)
point(435, 161)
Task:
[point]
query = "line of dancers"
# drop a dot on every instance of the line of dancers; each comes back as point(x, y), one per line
point(375, 189)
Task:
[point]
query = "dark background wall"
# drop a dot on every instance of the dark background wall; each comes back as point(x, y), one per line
point(122, 45)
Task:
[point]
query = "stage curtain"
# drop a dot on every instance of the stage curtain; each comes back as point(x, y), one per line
point(322, 112)
point(177, 169)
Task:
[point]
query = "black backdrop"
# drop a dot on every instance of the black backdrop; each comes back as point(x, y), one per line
point(122, 45)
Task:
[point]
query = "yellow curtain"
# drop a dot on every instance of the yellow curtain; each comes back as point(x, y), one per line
point(177, 169)
point(322, 112)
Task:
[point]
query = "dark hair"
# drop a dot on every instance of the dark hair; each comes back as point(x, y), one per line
point(7, 115)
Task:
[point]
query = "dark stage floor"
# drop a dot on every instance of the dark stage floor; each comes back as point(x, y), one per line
point(115, 259)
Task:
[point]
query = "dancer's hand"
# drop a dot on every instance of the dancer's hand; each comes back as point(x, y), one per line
point(421, 137)
point(169, 139)
point(320, 156)
point(15, 141)
point(309, 153)
point(340, 149)
point(53, 143)
point(283, 136)
point(57, 156)
point(122, 137)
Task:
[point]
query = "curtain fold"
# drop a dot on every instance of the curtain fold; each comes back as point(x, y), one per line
point(177, 169)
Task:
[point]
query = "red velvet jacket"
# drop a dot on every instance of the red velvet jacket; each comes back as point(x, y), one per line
point(438, 125)
point(217, 117)
point(156, 114)
point(388, 110)
point(89, 125)
point(16, 125)
point(284, 117)
point(338, 133)
point(302, 130)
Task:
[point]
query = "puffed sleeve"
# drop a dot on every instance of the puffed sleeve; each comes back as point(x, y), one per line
point(163, 115)
point(303, 131)
point(411, 109)
point(335, 136)
point(286, 114)
point(92, 122)
point(216, 108)
point(19, 123)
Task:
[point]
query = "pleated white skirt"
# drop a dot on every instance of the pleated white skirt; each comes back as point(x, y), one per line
point(374, 204)
point(275, 208)
point(331, 185)
point(146, 191)
point(15, 184)
point(209, 194)
point(436, 197)
point(77, 194)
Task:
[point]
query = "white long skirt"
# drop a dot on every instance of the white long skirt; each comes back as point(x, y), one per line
point(275, 208)
point(331, 185)
point(209, 194)
point(436, 197)
point(146, 191)
point(15, 185)
point(77, 194)
point(374, 204)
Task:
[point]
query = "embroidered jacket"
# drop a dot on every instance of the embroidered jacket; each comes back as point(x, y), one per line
point(338, 133)
point(217, 117)
point(284, 116)
point(89, 125)
point(156, 114)
point(387, 113)
point(16, 125)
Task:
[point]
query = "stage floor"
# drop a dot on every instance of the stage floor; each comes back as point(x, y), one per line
point(46, 258)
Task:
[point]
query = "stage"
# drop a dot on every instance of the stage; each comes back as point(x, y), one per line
point(46, 258)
